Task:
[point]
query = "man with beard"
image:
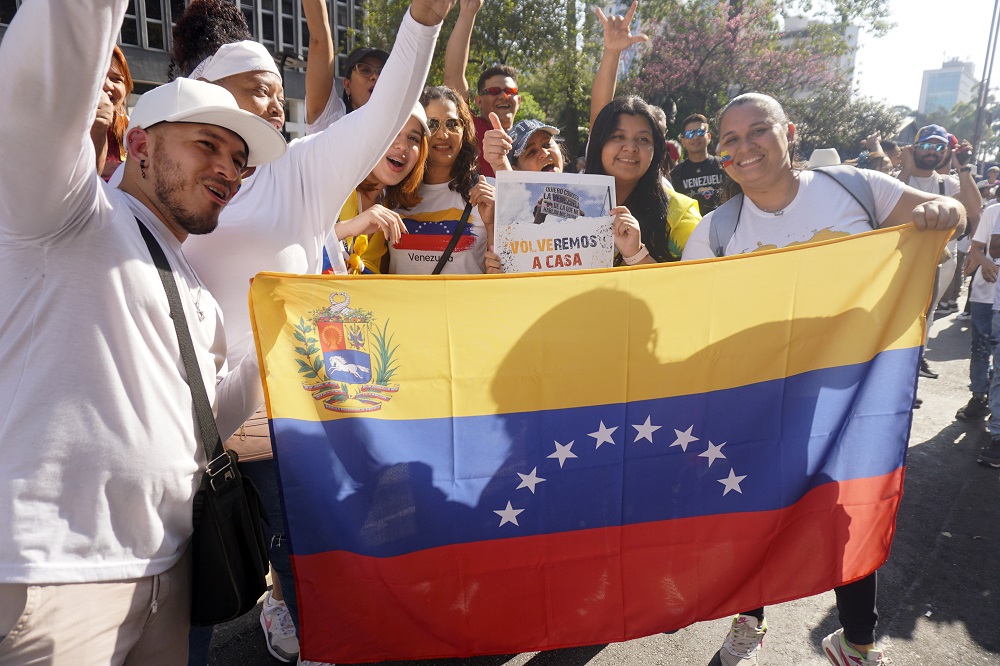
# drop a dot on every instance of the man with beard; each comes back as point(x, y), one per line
point(700, 175)
point(100, 455)
point(496, 89)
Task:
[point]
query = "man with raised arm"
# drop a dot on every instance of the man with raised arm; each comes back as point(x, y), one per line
point(100, 455)
point(496, 88)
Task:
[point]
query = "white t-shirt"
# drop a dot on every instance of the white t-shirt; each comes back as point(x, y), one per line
point(100, 454)
point(280, 218)
point(332, 112)
point(431, 224)
point(981, 291)
point(932, 184)
point(821, 209)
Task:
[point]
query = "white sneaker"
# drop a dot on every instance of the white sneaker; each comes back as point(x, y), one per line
point(839, 653)
point(743, 641)
point(279, 632)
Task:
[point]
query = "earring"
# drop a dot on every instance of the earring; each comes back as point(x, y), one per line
point(142, 167)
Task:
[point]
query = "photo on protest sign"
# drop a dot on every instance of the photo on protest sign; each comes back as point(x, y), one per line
point(554, 221)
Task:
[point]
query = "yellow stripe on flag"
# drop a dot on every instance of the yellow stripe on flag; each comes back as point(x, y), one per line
point(471, 345)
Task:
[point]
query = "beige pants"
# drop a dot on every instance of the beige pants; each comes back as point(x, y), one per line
point(143, 621)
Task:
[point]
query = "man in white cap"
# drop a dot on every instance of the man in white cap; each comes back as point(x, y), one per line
point(100, 455)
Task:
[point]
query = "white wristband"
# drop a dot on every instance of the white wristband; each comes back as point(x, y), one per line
point(637, 257)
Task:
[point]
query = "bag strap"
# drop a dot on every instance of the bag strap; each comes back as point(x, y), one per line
point(202, 408)
point(852, 180)
point(722, 225)
point(453, 243)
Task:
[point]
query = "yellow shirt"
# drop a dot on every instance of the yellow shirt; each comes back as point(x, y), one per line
point(377, 248)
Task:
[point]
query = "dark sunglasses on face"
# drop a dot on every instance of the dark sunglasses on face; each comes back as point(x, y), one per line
point(927, 145)
point(366, 70)
point(690, 134)
point(510, 92)
point(451, 124)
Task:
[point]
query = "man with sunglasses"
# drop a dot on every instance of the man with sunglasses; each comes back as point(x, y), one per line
point(496, 89)
point(700, 175)
point(920, 163)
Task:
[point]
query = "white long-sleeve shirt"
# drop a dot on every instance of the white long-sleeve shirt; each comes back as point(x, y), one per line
point(281, 216)
point(100, 455)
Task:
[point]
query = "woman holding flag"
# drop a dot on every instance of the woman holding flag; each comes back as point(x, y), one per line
point(774, 204)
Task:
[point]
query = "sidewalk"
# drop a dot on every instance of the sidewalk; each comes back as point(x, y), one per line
point(938, 593)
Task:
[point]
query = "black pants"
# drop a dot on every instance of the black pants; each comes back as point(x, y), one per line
point(856, 607)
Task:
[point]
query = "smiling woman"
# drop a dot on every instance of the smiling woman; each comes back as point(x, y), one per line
point(626, 143)
point(452, 186)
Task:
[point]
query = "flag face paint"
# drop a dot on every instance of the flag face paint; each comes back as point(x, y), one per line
point(727, 159)
point(529, 462)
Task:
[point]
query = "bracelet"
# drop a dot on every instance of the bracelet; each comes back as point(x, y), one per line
point(964, 169)
point(637, 257)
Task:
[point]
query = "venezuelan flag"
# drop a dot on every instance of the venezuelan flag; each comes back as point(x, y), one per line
point(538, 461)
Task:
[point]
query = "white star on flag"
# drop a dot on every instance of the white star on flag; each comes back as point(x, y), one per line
point(508, 515)
point(713, 453)
point(645, 431)
point(529, 481)
point(603, 435)
point(732, 482)
point(562, 452)
point(684, 438)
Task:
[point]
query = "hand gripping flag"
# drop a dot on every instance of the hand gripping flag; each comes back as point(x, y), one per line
point(484, 464)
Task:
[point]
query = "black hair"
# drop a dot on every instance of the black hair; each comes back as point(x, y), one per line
point(495, 70)
point(648, 201)
point(465, 169)
point(199, 32)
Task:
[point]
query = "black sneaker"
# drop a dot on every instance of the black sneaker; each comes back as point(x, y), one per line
point(975, 409)
point(917, 402)
point(925, 370)
point(990, 455)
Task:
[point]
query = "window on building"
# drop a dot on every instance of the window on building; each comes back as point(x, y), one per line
point(7, 10)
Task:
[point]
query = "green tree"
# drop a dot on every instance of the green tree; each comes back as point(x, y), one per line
point(831, 118)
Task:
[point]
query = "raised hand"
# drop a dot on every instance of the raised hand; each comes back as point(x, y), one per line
point(431, 12)
point(469, 6)
point(617, 33)
point(626, 232)
point(376, 218)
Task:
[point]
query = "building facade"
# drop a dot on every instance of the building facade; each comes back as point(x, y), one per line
point(279, 25)
point(943, 88)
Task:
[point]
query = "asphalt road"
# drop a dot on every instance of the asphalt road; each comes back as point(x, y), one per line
point(938, 593)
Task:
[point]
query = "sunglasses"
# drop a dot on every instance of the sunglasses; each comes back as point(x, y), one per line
point(451, 124)
point(927, 145)
point(510, 92)
point(690, 134)
point(366, 70)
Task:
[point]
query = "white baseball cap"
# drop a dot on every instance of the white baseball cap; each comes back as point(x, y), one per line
point(190, 101)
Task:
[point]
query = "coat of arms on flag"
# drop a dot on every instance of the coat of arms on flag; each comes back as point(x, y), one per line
point(354, 362)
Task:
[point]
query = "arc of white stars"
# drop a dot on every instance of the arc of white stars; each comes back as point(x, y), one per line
point(684, 437)
point(508, 515)
point(530, 480)
point(732, 482)
point(603, 435)
point(645, 431)
point(562, 452)
point(713, 452)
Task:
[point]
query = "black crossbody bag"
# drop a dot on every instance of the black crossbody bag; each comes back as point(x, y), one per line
point(453, 243)
point(229, 556)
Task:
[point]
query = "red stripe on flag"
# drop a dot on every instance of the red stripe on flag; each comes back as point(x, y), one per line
point(590, 586)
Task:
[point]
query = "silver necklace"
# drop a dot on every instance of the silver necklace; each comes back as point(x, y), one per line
point(780, 210)
point(197, 305)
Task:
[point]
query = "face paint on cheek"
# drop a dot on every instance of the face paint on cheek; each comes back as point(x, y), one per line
point(727, 159)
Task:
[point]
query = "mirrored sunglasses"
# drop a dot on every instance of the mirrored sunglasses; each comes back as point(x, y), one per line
point(366, 70)
point(494, 91)
point(927, 145)
point(690, 134)
point(452, 124)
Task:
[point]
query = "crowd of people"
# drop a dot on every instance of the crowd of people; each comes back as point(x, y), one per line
point(395, 176)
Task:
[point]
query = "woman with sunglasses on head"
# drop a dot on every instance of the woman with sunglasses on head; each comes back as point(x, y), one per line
point(777, 204)
point(452, 191)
